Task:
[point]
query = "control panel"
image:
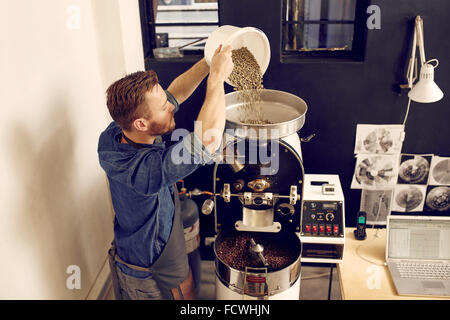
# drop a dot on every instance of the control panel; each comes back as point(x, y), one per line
point(322, 219)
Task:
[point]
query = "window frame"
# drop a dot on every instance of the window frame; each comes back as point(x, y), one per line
point(148, 26)
point(356, 54)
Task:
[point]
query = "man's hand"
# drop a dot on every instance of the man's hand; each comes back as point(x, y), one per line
point(221, 64)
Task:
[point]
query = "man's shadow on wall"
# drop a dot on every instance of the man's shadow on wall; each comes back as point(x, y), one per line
point(49, 217)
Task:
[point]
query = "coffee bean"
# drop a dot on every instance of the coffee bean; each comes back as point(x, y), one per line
point(234, 251)
point(247, 79)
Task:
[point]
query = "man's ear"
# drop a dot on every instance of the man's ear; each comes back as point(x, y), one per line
point(141, 124)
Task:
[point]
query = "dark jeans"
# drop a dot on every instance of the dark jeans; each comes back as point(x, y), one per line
point(131, 288)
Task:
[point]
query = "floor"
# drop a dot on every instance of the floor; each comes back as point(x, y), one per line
point(313, 286)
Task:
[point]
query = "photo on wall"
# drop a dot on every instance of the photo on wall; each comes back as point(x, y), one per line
point(377, 205)
point(437, 200)
point(408, 198)
point(375, 171)
point(414, 169)
point(440, 171)
point(379, 139)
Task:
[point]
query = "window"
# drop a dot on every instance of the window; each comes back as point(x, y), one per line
point(178, 23)
point(324, 28)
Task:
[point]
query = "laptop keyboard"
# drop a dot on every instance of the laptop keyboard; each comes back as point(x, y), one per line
point(437, 271)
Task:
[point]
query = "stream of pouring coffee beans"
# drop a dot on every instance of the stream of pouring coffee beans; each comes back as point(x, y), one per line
point(247, 79)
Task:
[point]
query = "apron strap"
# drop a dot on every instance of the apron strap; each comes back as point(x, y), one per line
point(134, 144)
point(132, 266)
point(180, 293)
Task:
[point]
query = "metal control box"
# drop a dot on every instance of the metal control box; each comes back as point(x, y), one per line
point(323, 219)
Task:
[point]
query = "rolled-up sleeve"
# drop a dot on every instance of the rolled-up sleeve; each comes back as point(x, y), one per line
point(183, 158)
point(197, 150)
point(148, 169)
point(172, 100)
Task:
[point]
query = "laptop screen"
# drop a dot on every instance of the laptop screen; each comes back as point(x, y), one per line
point(419, 239)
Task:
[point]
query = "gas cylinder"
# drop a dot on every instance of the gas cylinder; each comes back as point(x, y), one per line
point(191, 225)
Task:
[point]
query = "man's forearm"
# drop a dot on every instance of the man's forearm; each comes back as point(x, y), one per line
point(185, 84)
point(211, 119)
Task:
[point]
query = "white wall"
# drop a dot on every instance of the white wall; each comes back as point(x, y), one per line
point(54, 208)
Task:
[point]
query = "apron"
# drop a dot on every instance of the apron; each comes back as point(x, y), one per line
point(171, 270)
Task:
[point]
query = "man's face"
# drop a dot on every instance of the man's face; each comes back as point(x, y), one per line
point(161, 111)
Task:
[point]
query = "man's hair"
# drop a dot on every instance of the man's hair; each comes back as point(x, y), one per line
point(125, 97)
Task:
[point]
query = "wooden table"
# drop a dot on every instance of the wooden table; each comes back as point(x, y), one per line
point(362, 280)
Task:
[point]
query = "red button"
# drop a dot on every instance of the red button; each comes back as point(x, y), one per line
point(315, 228)
point(328, 229)
point(308, 228)
point(335, 229)
point(322, 228)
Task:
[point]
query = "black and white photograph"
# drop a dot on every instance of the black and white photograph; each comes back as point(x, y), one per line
point(414, 169)
point(438, 200)
point(440, 171)
point(375, 171)
point(379, 139)
point(377, 205)
point(408, 198)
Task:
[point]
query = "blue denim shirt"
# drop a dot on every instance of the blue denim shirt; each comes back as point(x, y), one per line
point(141, 185)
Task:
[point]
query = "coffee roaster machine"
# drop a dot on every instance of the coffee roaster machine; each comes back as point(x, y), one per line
point(259, 187)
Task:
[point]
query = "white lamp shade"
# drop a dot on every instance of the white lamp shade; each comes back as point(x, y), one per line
point(426, 90)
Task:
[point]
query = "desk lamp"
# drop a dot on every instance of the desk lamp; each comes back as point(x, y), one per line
point(425, 90)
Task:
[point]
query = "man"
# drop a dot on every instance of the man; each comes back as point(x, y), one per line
point(148, 258)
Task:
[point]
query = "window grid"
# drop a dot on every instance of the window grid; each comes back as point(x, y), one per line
point(356, 52)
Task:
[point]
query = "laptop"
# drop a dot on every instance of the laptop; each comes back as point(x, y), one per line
point(418, 254)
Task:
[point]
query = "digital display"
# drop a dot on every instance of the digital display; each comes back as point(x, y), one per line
point(361, 220)
point(332, 206)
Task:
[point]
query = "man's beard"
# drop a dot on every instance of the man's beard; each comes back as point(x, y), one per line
point(157, 129)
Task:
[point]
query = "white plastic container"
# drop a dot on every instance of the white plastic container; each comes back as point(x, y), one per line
point(254, 39)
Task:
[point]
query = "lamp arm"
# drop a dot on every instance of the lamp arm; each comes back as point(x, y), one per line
point(411, 73)
point(420, 40)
